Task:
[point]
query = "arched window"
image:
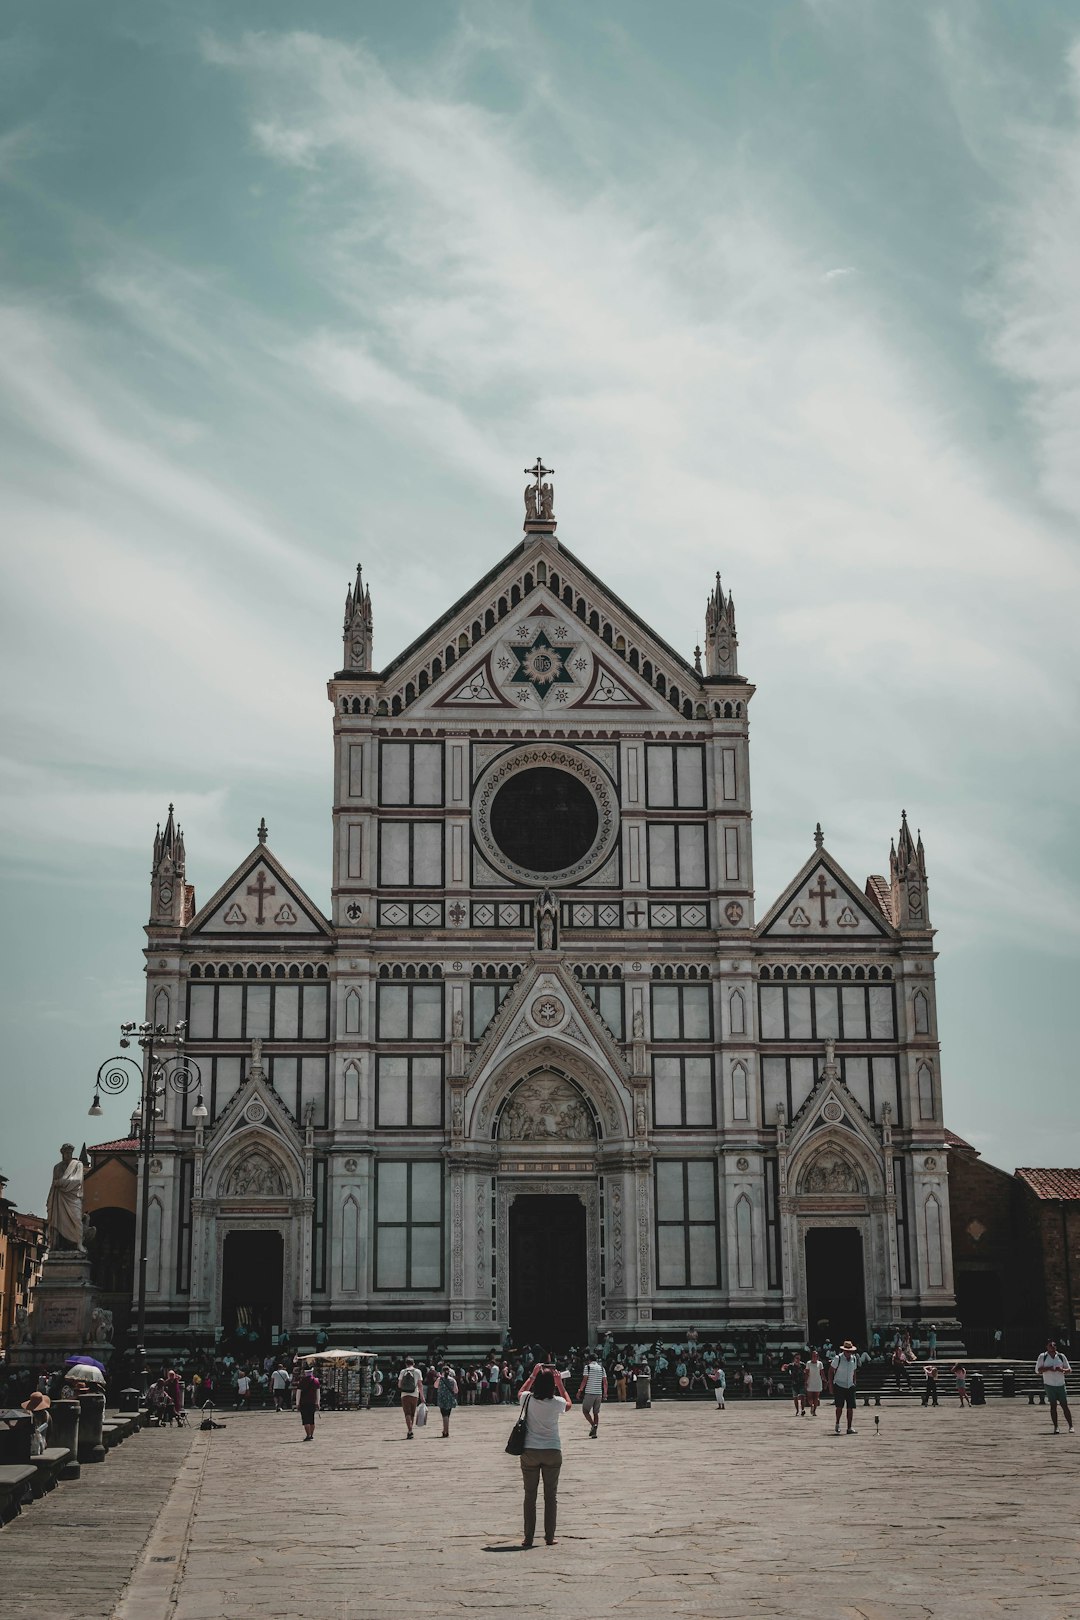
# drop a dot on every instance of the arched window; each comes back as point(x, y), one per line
point(740, 1092)
point(921, 1008)
point(926, 1091)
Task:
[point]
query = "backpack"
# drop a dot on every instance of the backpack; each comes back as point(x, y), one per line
point(409, 1388)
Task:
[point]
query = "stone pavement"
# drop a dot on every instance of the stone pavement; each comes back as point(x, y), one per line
point(68, 1556)
point(677, 1511)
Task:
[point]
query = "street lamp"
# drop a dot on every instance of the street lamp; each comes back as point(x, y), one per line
point(159, 1071)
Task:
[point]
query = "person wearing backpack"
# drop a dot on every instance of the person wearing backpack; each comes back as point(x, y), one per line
point(409, 1387)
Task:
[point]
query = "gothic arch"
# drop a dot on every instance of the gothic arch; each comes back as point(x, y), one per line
point(822, 1150)
point(564, 1060)
point(279, 1174)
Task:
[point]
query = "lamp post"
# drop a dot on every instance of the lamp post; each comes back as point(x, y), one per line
point(164, 1067)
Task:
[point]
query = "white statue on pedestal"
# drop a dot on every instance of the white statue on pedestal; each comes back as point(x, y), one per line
point(64, 1208)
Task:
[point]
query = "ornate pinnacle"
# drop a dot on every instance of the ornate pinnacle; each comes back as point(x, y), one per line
point(263, 830)
point(819, 837)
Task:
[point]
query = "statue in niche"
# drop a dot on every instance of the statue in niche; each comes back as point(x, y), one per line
point(546, 1109)
point(639, 1025)
point(64, 1211)
point(457, 1024)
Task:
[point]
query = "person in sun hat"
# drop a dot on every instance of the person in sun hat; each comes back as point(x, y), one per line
point(844, 1369)
point(38, 1408)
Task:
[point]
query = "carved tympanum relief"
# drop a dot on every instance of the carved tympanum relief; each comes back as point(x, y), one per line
point(255, 1177)
point(830, 1175)
point(546, 1109)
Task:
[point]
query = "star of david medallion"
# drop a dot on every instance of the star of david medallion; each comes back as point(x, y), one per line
point(541, 665)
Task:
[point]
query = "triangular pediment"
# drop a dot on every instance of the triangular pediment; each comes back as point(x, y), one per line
point(547, 1005)
point(260, 901)
point(541, 637)
point(823, 903)
point(254, 1143)
point(832, 1127)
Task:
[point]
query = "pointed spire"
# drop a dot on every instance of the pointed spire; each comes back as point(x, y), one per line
point(819, 837)
point(263, 831)
point(167, 888)
point(907, 869)
point(721, 641)
point(697, 660)
point(358, 624)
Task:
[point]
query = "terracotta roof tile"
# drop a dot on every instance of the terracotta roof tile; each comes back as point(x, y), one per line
point(879, 892)
point(125, 1144)
point(954, 1141)
point(1051, 1183)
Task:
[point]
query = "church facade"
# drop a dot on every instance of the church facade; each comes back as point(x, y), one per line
point(542, 1066)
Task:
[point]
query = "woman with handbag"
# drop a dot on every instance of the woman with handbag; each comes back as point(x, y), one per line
point(542, 1453)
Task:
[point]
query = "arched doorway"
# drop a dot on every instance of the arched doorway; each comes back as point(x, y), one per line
point(253, 1270)
point(549, 1293)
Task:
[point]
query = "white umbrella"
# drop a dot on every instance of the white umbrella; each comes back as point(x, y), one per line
point(85, 1373)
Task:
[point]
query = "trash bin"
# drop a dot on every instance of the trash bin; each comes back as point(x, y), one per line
point(978, 1390)
point(1008, 1381)
point(643, 1390)
point(130, 1401)
point(16, 1429)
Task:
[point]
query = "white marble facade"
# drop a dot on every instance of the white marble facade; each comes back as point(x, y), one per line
point(542, 973)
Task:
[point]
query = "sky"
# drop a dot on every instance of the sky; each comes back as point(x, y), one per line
point(787, 290)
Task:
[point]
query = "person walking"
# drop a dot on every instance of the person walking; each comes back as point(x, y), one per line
point(796, 1372)
point(930, 1387)
point(814, 1378)
point(279, 1387)
point(1053, 1366)
point(959, 1373)
point(243, 1390)
point(542, 1456)
point(310, 1401)
point(409, 1388)
point(446, 1394)
point(931, 1342)
point(844, 1370)
point(591, 1391)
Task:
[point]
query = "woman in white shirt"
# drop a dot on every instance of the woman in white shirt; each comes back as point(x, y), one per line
point(543, 1453)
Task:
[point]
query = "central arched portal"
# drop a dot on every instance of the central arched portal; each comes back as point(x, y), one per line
point(252, 1286)
point(549, 1290)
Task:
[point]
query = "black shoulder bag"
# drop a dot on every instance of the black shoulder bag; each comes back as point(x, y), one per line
point(516, 1443)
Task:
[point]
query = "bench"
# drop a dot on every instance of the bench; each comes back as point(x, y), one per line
point(47, 1468)
point(15, 1488)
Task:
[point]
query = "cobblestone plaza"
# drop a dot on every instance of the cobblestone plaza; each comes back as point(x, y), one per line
point(679, 1510)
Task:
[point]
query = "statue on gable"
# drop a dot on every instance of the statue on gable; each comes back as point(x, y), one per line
point(547, 502)
point(531, 511)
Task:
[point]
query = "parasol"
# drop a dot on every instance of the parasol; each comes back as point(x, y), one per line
point(85, 1372)
point(84, 1361)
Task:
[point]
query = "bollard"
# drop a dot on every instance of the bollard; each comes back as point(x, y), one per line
point(64, 1431)
point(130, 1401)
point(643, 1391)
point(91, 1446)
point(1008, 1382)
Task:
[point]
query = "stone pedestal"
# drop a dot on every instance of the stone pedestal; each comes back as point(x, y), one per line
point(64, 1431)
point(91, 1444)
point(61, 1318)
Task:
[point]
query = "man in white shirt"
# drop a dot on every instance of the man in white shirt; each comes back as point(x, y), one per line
point(1053, 1368)
point(844, 1369)
point(591, 1391)
point(279, 1385)
point(243, 1390)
